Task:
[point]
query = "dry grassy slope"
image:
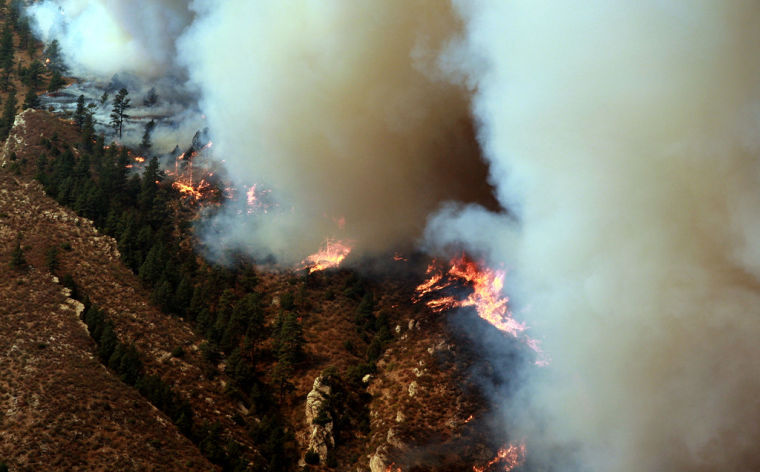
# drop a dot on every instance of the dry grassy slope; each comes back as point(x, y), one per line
point(60, 409)
point(95, 266)
point(24, 59)
point(428, 430)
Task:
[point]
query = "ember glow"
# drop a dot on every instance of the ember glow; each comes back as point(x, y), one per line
point(191, 182)
point(486, 297)
point(508, 458)
point(330, 256)
point(257, 201)
point(194, 191)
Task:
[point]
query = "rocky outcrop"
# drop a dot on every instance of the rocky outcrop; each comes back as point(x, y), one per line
point(379, 462)
point(319, 419)
point(15, 140)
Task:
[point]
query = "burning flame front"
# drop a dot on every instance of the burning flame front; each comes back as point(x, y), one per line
point(330, 256)
point(486, 297)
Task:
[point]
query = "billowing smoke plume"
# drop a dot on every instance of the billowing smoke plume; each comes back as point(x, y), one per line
point(341, 109)
point(621, 137)
point(110, 44)
point(105, 37)
point(624, 137)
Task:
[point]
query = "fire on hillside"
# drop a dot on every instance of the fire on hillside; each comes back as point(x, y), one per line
point(486, 296)
point(507, 459)
point(332, 253)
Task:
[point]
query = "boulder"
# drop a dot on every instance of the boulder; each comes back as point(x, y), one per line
point(413, 389)
point(379, 461)
point(321, 438)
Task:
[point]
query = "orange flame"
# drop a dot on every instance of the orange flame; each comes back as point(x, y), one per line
point(251, 196)
point(486, 296)
point(390, 468)
point(195, 192)
point(331, 255)
point(185, 181)
point(509, 457)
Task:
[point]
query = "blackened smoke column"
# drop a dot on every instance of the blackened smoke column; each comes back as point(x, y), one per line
point(624, 138)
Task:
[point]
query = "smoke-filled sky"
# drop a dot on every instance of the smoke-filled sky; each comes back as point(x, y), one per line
point(621, 136)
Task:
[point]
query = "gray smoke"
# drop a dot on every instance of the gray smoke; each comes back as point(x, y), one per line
point(105, 37)
point(110, 44)
point(623, 136)
point(340, 108)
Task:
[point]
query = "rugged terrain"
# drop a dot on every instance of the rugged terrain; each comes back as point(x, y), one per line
point(415, 410)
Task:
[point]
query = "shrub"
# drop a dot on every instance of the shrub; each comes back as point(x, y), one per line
point(311, 457)
point(51, 259)
point(287, 301)
point(17, 257)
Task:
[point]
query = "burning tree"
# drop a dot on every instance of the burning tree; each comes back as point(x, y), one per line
point(53, 60)
point(119, 111)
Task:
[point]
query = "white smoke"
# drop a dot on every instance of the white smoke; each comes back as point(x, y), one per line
point(341, 108)
point(624, 137)
point(104, 37)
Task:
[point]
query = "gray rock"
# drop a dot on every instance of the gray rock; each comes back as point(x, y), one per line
point(413, 389)
point(379, 461)
point(321, 438)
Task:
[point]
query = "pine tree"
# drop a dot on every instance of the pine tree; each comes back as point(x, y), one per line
point(9, 115)
point(51, 259)
point(119, 111)
point(6, 54)
point(81, 113)
point(34, 74)
point(18, 261)
point(88, 132)
point(146, 144)
point(289, 345)
point(31, 100)
point(151, 98)
point(108, 342)
point(53, 58)
point(56, 82)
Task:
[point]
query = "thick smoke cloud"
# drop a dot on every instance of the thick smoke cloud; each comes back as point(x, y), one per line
point(341, 108)
point(621, 137)
point(105, 37)
point(624, 137)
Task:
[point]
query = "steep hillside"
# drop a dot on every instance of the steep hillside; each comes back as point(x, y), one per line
point(60, 409)
point(380, 380)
